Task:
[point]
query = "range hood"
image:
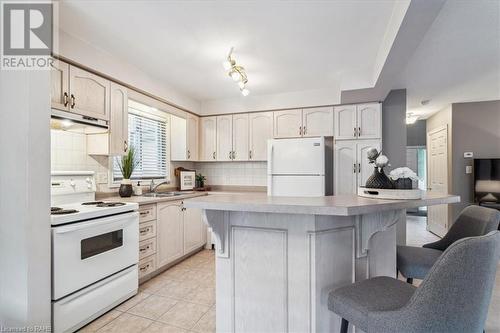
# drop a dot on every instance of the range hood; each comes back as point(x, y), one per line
point(68, 121)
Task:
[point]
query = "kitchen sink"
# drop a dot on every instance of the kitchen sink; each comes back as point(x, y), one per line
point(164, 194)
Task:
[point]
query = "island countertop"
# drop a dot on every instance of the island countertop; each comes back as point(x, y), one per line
point(340, 205)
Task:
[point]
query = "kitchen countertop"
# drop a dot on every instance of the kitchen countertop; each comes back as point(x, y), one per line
point(342, 205)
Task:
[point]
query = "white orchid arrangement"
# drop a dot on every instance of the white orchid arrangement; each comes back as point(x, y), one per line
point(405, 172)
point(376, 157)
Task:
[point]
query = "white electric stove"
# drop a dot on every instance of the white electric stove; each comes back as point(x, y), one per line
point(94, 251)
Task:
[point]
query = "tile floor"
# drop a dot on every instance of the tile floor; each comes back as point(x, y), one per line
point(182, 299)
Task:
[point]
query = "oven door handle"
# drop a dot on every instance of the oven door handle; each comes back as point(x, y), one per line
point(122, 219)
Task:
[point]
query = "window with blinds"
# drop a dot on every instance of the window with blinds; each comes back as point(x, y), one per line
point(148, 135)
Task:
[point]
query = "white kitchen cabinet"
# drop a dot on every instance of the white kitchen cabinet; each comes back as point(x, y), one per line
point(362, 121)
point(345, 122)
point(345, 167)
point(288, 123)
point(89, 94)
point(170, 232)
point(369, 117)
point(178, 138)
point(240, 137)
point(59, 85)
point(195, 231)
point(224, 138)
point(351, 168)
point(317, 122)
point(192, 137)
point(118, 122)
point(208, 139)
point(260, 127)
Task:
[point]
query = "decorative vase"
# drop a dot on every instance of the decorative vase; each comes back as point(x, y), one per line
point(403, 184)
point(126, 189)
point(378, 180)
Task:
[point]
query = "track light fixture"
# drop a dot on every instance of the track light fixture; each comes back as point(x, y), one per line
point(236, 72)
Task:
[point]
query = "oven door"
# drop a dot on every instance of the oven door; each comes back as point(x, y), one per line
point(86, 252)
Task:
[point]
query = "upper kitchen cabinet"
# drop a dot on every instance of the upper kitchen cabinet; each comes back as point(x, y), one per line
point(59, 85)
point(288, 123)
point(192, 137)
point(369, 121)
point(118, 122)
point(317, 122)
point(260, 128)
point(363, 121)
point(178, 138)
point(240, 137)
point(89, 94)
point(208, 139)
point(224, 138)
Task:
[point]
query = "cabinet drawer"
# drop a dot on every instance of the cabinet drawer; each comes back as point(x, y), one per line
point(147, 213)
point(147, 265)
point(147, 247)
point(147, 230)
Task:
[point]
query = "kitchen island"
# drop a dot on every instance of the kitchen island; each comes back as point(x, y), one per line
point(278, 257)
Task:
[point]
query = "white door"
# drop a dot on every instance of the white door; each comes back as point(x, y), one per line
point(305, 156)
point(369, 121)
point(59, 78)
point(224, 138)
point(118, 121)
point(170, 233)
point(195, 230)
point(437, 143)
point(240, 137)
point(288, 123)
point(345, 167)
point(345, 122)
point(365, 170)
point(192, 137)
point(89, 94)
point(208, 138)
point(317, 122)
point(260, 130)
point(178, 138)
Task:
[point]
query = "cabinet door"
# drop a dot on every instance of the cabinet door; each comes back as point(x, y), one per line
point(240, 137)
point(59, 85)
point(288, 123)
point(224, 138)
point(260, 130)
point(365, 170)
point(195, 231)
point(369, 121)
point(192, 137)
point(345, 122)
point(208, 138)
point(118, 122)
point(178, 138)
point(345, 167)
point(89, 94)
point(317, 121)
point(170, 233)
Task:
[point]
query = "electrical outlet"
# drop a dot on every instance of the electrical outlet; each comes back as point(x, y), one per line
point(102, 178)
point(468, 169)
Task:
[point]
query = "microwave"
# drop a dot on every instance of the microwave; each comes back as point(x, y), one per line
point(186, 180)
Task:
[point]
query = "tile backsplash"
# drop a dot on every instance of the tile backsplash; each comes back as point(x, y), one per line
point(234, 173)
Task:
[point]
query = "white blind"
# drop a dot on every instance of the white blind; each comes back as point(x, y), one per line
point(149, 138)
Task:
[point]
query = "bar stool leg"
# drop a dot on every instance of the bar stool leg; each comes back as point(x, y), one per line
point(344, 326)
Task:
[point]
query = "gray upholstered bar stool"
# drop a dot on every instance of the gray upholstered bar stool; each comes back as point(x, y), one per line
point(454, 296)
point(414, 262)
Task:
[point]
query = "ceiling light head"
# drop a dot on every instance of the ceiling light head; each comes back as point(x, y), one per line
point(241, 84)
point(245, 92)
point(227, 65)
point(235, 75)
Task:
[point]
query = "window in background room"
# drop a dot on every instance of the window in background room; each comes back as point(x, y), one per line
point(147, 133)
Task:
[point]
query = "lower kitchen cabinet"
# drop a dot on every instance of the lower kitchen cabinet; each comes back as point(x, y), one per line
point(170, 233)
point(194, 230)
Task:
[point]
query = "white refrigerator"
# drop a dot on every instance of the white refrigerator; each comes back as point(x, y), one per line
point(301, 167)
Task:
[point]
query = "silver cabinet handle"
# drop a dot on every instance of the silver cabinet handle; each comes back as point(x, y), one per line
point(125, 146)
point(145, 268)
point(359, 131)
point(213, 155)
point(230, 156)
point(234, 155)
point(305, 130)
point(300, 130)
point(354, 168)
point(355, 132)
point(73, 102)
point(189, 154)
point(145, 230)
point(359, 167)
point(250, 154)
point(65, 99)
point(142, 249)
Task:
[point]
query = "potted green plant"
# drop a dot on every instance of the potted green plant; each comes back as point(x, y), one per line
point(200, 180)
point(127, 166)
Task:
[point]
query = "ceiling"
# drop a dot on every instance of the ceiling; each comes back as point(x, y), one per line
point(284, 46)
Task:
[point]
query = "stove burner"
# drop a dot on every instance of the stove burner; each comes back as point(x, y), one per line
point(55, 209)
point(110, 204)
point(92, 203)
point(61, 211)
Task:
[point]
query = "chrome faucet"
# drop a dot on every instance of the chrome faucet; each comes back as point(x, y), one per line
point(153, 187)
